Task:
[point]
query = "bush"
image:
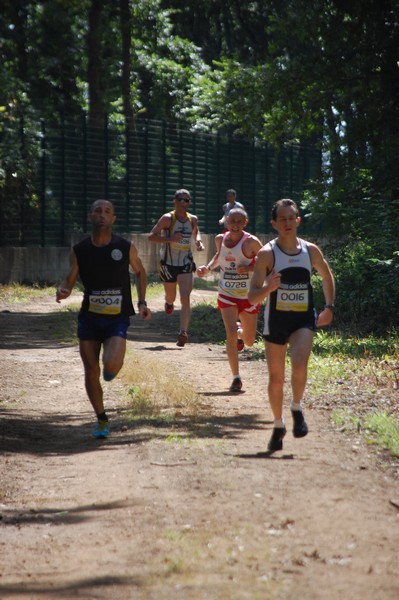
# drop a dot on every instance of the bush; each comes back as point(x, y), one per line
point(367, 281)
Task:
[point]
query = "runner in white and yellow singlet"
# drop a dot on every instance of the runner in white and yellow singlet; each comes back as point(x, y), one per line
point(176, 230)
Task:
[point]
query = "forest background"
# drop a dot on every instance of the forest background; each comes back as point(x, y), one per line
point(279, 71)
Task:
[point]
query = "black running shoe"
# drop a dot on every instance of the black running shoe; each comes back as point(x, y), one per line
point(276, 441)
point(236, 386)
point(300, 428)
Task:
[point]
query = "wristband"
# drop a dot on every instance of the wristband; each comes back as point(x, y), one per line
point(330, 306)
point(141, 303)
point(208, 267)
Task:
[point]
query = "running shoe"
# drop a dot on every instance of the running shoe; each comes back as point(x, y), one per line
point(300, 428)
point(169, 308)
point(101, 429)
point(236, 386)
point(276, 441)
point(182, 338)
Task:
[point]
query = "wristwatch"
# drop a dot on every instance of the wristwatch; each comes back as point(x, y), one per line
point(330, 306)
point(141, 303)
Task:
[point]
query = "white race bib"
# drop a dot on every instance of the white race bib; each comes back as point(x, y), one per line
point(235, 284)
point(105, 303)
point(183, 246)
point(292, 300)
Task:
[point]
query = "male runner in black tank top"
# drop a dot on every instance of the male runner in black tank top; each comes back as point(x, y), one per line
point(102, 262)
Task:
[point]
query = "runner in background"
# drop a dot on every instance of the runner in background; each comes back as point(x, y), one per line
point(175, 230)
point(231, 197)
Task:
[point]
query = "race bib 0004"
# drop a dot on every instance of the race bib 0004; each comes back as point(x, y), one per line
point(107, 302)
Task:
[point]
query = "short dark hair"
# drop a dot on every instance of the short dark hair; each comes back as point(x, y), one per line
point(182, 191)
point(283, 202)
point(232, 192)
point(93, 204)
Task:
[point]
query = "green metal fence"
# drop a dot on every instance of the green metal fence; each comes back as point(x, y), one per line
point(52, 176)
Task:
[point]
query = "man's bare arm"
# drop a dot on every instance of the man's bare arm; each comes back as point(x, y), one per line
point(66, 286)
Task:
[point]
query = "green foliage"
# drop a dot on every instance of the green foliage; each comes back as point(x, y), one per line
point(332, 343)
point(206, 284)
point(154, 289)
point(164, 63)
point(221, 96)
point(367, 286)
point(383, 429)
point(15, 292)
point(378, 427)
point(345, 420)
point(250, 69)
point(357, 379)
point(206, 323)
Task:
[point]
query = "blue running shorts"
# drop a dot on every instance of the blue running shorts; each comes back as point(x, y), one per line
point(100, 328)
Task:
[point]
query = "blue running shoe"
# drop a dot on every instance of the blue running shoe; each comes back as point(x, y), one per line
point(101, 429)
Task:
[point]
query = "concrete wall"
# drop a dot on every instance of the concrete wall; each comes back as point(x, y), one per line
point(49, 265)
point(32, 265)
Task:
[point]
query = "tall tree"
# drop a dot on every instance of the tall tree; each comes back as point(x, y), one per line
point(94, 68)
point(126, 36)
point(325, 69)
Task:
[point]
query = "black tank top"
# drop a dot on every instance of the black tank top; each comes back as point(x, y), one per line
point(104, 273)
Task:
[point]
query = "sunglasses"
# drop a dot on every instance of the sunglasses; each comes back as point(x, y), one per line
point(182, 199)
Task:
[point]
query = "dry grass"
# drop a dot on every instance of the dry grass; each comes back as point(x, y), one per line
point(13, 293)
point(154, 390)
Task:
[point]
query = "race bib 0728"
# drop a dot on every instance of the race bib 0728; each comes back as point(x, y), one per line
point(235, 284)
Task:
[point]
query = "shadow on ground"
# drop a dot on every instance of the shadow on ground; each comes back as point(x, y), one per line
point(24, 331)
point(54, 434)
point(78, 588)
point(29, 330)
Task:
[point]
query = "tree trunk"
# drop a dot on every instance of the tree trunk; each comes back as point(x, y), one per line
point(96, 100)
point(126, 34)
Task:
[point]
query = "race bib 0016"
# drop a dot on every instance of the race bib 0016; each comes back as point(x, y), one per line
point(292, 300)
point(107, 302)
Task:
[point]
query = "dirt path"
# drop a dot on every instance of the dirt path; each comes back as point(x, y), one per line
point(187, 512)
